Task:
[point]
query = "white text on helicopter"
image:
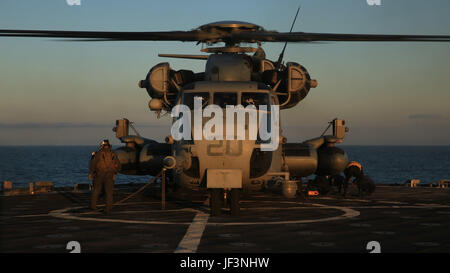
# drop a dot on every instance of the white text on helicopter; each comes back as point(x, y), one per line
point(262, 121)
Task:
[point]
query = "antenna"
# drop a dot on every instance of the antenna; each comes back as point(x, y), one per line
point(280, 58)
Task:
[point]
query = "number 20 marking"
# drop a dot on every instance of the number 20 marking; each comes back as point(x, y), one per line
point(228, 150)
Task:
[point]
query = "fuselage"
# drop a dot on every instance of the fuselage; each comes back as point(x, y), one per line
point(229, 80)
point(225, 153)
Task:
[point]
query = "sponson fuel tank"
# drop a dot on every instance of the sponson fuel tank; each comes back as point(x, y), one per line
point(143, 160)
point(332, 160)
point(300, 158)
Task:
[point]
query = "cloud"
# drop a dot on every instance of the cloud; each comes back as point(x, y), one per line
point(426, 116)
point(32, 125)
point(63, 125)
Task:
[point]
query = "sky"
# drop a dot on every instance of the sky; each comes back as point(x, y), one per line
point(71, 93)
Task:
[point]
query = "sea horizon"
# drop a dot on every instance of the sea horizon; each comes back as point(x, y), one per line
point(66, 165)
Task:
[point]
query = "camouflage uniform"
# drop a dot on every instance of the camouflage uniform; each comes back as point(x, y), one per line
point(103, 168)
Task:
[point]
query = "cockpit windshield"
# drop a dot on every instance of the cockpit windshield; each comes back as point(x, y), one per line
point(256, 99)
point(222, 99)
point(188, 99)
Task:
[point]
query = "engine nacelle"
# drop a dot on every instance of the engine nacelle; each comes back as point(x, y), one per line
point(163, 83)
point(293, 82)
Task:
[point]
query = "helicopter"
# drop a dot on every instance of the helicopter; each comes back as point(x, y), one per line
point(234, 75)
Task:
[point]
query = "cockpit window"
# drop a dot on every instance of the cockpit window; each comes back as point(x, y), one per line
point(255, 99)
point(223, 99)
point(188, 99)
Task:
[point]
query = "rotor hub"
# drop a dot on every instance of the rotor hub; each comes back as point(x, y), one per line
point(223, 31)
point(230, 26)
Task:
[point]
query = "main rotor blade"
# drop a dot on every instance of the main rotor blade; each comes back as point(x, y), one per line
point(111, 35)
point(221, 36)
point(320, 37)
point(185, 56)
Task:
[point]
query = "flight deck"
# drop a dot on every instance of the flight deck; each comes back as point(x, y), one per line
point(400, 219)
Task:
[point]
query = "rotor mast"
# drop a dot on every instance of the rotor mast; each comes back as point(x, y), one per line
point(226, 31)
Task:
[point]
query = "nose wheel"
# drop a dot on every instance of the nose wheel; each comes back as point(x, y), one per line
point(217, 201)
point(235, 196)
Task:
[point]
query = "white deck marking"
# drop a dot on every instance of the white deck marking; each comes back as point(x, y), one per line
point(343, 199)
point(155, 245)
point(242, 244)
point(383, 232)
point(32, 215)
point(58, 235)
point(426, 244)
point(391, 202)
point(191, 239)
point(69, 228)
point(431, 205)
point(139, 211)
point(360, 225)
point(401, 207)
point(390, 212)
point(50, 246)
point(411, 217)
point(229, 235)
point(322, 244)
point(431, 224)
point(310, 233)
point(349, 212)
point(443, 212)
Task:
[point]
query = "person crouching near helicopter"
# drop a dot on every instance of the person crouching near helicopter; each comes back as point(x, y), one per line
point(338, 181)
point(103, 169)
point(364, 183)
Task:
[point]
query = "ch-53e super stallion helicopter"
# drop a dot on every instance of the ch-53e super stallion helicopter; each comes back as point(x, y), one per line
point(232, 76)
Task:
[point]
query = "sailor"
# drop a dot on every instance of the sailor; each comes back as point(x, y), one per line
point(364, 183)
point(91, 166)
point(338, 181)
point(103, 169)
point(321, 184)
point(353, 169)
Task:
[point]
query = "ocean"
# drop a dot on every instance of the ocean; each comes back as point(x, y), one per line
point(68, 165)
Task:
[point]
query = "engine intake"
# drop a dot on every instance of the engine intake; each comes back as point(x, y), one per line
point(164, 83)
point(293, 83)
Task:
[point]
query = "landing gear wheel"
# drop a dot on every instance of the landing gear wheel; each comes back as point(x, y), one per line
point(216, 201)
point(235, 208)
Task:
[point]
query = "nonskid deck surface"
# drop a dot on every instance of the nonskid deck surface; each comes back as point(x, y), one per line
point(401, 219)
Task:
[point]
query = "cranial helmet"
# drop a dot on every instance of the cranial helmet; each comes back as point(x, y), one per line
point(105, 142)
